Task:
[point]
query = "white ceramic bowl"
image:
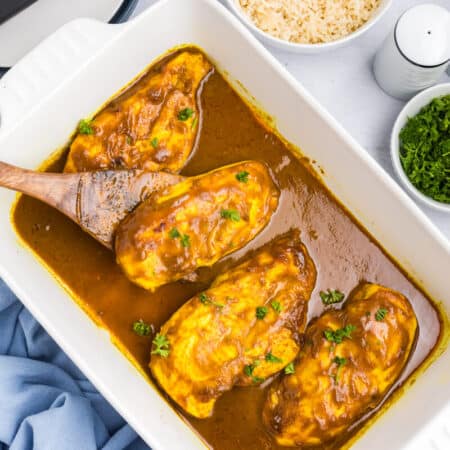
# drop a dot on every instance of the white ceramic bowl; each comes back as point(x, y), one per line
point(410, 110)
point(282, 44)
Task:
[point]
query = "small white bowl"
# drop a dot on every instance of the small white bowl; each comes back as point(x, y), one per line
point(410, 110)
point(282, 44)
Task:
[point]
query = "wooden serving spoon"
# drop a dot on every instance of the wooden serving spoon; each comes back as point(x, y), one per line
point(96, 201)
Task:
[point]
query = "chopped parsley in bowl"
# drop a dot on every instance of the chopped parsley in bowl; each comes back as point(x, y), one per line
point(425, 149)
point(420, 146)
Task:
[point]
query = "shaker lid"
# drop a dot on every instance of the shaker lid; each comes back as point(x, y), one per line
point(423, 35)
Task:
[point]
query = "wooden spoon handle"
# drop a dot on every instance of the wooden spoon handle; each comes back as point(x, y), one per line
point(57, 190)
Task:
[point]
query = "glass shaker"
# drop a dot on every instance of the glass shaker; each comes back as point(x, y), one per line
point(416, 53)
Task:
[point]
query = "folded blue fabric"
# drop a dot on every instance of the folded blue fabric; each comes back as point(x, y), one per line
point(46, 403)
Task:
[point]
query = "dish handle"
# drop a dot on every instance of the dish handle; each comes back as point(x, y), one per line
point(47, 66)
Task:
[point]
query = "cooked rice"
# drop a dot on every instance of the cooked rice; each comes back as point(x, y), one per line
point(309, 21)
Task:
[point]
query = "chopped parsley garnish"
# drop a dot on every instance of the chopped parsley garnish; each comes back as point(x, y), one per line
point(261, 312)
point(331, 296)
point(272, 358)
point(337, 336)
point(174, 233)
point(154, 142)
point(128, 140)
point(289, 369)
point(340, 362)
point(380, 314)
point(185, 114)
point(161, 346)
point(242, 176)
point(425, 149)
point(141, 328)
point(276, 306)
point(230, 214)
point(185, 240)
point(207, 301)
point(85, 126)
point(248, 370)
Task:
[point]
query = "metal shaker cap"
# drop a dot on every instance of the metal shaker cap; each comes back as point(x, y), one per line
point(422, 35)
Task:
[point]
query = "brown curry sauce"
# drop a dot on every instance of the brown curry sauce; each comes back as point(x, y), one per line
point(343, 252)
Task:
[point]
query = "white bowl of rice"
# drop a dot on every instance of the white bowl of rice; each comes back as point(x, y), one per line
point(308, 26)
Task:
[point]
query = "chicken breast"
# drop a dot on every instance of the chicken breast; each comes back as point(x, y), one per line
point(240, 331)
point(152, 126)
point(350, 360)
point(195, 223)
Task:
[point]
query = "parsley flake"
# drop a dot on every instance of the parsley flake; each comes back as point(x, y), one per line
point(380, 314)
point(261, 312)
point(276, 306)
point(85, 126)
point(162, 346)
point(154, 142)
point(248, 370)
point(340, 362)
point(242, 176)
point(185, 114)
point(230, 214)
point(141, 328)
point(174, 233)
point(331, 296)
point(185, 240)
point(337, 336)
point(207, 301)
point(289, 369)
point(272, 358)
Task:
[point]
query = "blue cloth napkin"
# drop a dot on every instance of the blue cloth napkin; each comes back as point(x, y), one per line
point(46, 403)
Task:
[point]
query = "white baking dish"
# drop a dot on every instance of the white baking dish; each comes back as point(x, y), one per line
point(74, 71)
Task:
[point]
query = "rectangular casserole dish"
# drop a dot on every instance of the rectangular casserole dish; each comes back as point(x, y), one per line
point(77, 69)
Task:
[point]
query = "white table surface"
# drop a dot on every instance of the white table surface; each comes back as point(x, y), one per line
point(342, 81)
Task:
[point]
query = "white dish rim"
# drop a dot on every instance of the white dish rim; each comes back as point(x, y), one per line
point(358, 153)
